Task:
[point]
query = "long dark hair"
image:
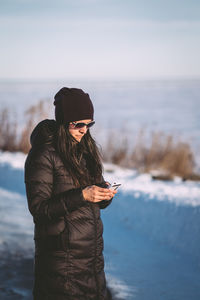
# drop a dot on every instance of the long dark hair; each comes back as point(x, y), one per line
point(72, 152)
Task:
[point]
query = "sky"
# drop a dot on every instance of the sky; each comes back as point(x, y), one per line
point(99, 39)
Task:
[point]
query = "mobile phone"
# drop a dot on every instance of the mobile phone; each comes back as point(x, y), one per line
point(114, 186)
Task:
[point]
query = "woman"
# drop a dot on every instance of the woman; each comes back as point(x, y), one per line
point(65, 191)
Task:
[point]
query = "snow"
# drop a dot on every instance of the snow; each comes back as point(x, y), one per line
point(15, 222)
point(123, 290)
point(14, 159)
point(150, 226)
point(176, 191)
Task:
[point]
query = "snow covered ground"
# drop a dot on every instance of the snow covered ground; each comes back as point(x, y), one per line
point(151, 235)
point(177, 191)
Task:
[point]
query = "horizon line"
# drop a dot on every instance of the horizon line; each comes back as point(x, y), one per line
point(100, 79)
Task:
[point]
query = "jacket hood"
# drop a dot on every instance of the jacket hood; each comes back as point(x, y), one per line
point(43, 133)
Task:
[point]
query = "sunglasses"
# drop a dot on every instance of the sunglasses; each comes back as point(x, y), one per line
point(81, 125)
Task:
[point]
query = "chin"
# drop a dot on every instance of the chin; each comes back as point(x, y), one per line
point(78, 139)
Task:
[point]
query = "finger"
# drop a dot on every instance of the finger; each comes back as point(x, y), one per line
point(100, 198)
point(100, 189)
point(105, 194)
point(103, 191)
point(114, 192)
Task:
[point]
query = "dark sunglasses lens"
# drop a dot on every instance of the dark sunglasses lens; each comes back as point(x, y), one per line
point(79, 125)
point(90, 124)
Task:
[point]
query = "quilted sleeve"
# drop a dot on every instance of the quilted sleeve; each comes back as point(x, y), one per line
point(39, 189)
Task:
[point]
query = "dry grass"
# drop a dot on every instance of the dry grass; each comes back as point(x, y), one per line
point(158, 151)
point(116, 149)
point(164, 153)
point(8, 131)
point(9, 139)
point(33, 115)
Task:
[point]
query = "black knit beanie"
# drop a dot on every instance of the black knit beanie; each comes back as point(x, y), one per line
point(72, 104)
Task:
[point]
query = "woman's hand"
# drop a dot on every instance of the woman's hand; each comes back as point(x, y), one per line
point(95, 193)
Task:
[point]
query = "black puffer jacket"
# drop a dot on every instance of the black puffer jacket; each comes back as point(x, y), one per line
point(69, 263)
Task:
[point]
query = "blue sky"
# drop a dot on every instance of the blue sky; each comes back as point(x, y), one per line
point(98, 39)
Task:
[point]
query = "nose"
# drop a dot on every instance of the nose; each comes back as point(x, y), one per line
point(83, 130)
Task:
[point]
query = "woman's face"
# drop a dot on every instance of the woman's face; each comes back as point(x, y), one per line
point(78, 133)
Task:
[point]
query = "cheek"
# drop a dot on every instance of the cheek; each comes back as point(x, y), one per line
point(72, 132)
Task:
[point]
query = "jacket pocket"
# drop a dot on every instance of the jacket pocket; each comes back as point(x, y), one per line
point(56, 227)
point(53, 228)
point(65, 238)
